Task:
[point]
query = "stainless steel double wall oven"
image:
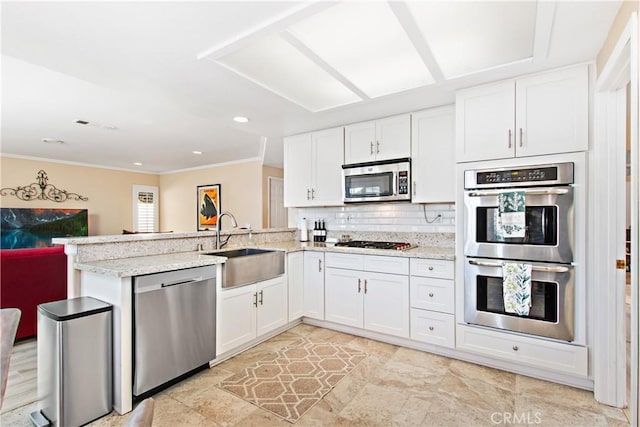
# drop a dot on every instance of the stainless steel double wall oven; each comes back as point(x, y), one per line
point(548, 245)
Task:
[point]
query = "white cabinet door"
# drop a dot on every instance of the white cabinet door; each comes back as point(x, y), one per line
point(297, 170)
point(432, 294)
point(314, 285)
point(343, 293)
point(393, 137)
point(433, 328)
point(272, 305)
point(360, 142)
point(485, 117)
point(552, 112)
point(295, 281)
point(433, 155)
point(328, 148)
point(386, 303)
point(236, 317)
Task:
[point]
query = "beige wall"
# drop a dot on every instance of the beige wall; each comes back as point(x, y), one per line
point(241, 194)
point(268, 171)
point(626, 9)
point(109, 191)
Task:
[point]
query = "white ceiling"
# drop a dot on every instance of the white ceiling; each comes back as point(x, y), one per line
point(135, 66)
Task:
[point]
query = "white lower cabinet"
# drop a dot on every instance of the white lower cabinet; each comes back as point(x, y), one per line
point(247, 312)
point(432, 302)
point(314, 285)
point(295, 284)
point(363, 299)
point(563, 357)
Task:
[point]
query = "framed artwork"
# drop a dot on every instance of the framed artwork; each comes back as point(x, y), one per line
point(34, 228)
point(208, 206)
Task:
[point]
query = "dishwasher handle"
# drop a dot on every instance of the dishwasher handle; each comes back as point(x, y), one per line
point(150, 287)
point(182, 282)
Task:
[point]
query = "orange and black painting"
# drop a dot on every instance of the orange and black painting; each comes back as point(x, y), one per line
point(208, 206)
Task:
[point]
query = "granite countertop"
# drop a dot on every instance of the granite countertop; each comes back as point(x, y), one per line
point(136, 266)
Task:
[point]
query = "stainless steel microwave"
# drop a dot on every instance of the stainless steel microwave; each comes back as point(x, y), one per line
point(383, 181)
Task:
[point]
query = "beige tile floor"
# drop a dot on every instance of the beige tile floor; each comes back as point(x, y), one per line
point(393, 386)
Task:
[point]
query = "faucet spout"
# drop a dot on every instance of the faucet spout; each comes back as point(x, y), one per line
point(234, 223)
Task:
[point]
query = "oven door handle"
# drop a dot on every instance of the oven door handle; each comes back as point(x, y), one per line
point(533, 267)
point(532, 191)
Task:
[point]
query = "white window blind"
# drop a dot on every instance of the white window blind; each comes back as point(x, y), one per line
point(145, 208)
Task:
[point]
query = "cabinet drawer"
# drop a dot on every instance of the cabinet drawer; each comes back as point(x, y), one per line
point(440, 269)
point(432, 294)
point(433, 328)
point(386, 264)
point(349, 261)
point(559, 356)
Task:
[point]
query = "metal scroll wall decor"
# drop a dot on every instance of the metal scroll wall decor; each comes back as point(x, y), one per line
point(41, 190)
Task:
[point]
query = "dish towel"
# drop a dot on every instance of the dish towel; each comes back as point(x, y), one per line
point(516, 288)
point(511, 214)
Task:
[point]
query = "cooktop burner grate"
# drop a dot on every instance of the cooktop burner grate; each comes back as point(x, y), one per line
point(396, 246)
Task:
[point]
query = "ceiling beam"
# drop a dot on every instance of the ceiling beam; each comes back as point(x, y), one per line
point(405, 18)
point(305, 50)
point(273, 25)
point(545, 15)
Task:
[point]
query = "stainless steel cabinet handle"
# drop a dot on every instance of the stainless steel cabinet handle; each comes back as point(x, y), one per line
point(261, 297)
point(319, 265)
point(533, 268)
point(371, 147)
point(255, 299)
point(377, 147)
point(431, 328)
point(365, 286)
point(520, 137)
point(549, 191)
point(308, 194)
point(359, 287)
point(313, 194)
point(430, 268)
point(414, 188)
point(514, 348)
point(509, 138)
point(431, 294)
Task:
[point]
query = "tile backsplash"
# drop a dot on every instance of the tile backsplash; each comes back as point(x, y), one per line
point(383, 217)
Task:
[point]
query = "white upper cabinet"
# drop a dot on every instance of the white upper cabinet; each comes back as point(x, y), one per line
point(541, 114)
point(383, 139)
point(432, 155)
point(313, 168)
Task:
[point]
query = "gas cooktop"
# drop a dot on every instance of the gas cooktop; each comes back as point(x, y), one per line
point(396, 246)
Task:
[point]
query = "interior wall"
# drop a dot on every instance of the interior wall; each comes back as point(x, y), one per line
point(268, 171)
point(626, 9)
point(109, 191)
point(240, 194)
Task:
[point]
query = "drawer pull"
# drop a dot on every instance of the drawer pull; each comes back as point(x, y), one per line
point(431, 328)
point(431, 294)
point(359, 285)
point(430, 268)
point(515, 348)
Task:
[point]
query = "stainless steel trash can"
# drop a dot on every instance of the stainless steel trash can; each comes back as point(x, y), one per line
point(74, 361)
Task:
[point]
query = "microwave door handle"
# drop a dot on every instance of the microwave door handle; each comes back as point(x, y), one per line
point(533, 192)
point(533, 268)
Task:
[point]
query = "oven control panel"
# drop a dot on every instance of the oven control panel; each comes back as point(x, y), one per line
point(403, 182)
point(517, 175)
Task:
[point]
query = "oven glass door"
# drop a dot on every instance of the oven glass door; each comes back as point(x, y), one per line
point(369, 185)
point(549, 234)
point(552, 299)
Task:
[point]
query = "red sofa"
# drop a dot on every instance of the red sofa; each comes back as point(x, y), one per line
point(29, 277)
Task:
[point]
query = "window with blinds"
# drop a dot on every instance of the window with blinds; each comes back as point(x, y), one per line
point(145, 208)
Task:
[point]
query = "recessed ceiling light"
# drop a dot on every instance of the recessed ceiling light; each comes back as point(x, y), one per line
point(53, 141)
point(197, 152)
point(240, 119)
point(137, 163)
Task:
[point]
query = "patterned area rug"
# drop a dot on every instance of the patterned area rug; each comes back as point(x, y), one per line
point(290, 381)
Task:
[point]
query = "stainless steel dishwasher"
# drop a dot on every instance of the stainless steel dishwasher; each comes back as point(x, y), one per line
point(174, 326)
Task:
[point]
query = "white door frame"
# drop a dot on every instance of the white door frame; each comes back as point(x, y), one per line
point(607, 195)
point(270, 179)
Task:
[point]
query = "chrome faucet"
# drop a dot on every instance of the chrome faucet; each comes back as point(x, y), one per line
point(219, 222)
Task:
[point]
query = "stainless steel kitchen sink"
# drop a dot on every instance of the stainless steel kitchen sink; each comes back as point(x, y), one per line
point(247, 266)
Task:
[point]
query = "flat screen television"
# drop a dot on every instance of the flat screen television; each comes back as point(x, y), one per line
point(34, 228)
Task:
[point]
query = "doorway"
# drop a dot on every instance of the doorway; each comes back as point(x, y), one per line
point(277, 211)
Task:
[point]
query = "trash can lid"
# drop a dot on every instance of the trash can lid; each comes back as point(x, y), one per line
point(68, 309)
